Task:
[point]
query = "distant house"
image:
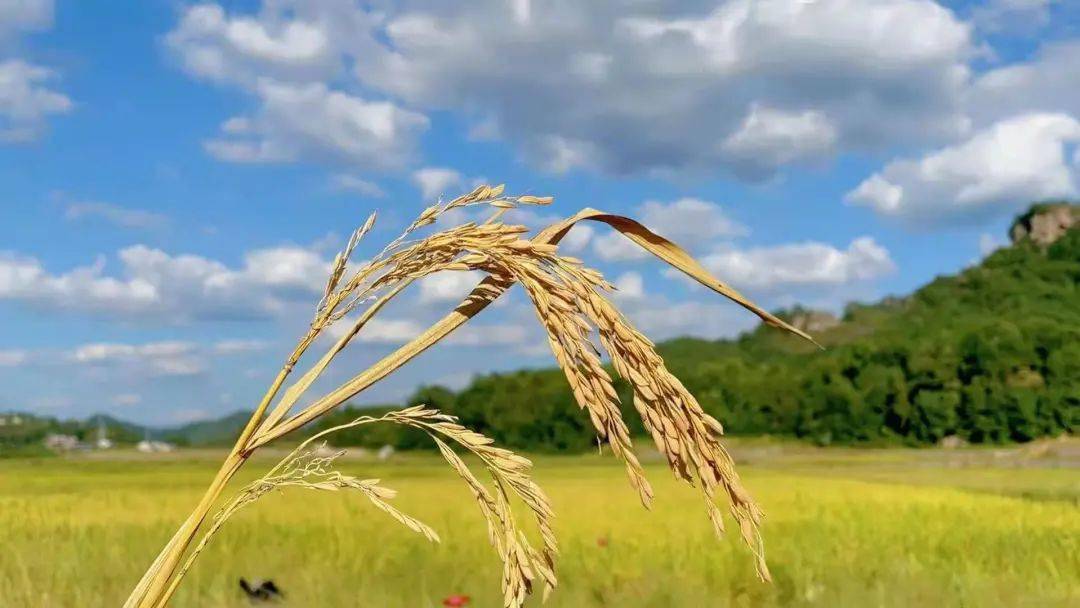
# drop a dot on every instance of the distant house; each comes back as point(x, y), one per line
point(62, 443)
point(147, 446)
point(12, 419)
point(102, 442)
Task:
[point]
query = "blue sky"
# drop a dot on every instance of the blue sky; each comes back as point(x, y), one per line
point(176, 177)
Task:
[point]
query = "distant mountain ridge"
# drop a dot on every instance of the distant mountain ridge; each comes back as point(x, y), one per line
point(24, 428)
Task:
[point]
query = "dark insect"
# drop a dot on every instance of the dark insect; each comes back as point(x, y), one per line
point(265, 591)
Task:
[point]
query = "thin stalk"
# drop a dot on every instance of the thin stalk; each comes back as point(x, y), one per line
point(174, 583)
point(151, 588)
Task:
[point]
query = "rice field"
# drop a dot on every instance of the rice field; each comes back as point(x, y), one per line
point(843, 528)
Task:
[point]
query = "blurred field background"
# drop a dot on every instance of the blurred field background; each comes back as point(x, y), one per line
point(845, 527)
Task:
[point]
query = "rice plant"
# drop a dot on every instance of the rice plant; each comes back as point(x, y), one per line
point(580, 322)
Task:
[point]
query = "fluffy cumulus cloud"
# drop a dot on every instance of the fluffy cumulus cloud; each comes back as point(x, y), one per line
point(27, 100)
point(284, 57)
point(310, 120)
point(1048, 82)
point(801, 265)
point(154, 284)
point(448, 287)
point(747, 85)
point(27, 94)
point(24, 15)
point(744, 85)
point(434, 182)
point(690, 222)
point(769, 139)
point(629, 286)
point(211, 44)
point(1002, 167)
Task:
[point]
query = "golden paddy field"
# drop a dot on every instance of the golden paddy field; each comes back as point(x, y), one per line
point(976, 527)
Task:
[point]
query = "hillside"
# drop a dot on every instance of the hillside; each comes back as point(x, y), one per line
point(991, 354)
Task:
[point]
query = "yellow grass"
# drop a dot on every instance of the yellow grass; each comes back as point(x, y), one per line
point(851, 528)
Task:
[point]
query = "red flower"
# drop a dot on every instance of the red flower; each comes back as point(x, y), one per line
point(456, 601)
point(602, 542)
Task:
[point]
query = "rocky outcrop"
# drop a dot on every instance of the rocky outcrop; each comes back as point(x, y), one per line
point(1044, 224)
point(813, 321)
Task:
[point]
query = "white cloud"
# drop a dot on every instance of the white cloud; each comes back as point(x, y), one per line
point(448, 286)
point(1049, 82)
point(155, 284)
point(669, 83)
point(170, 358)
point(149, 359)
point(25, 15)
point(300, 121)
point(577, 239)
point(350, 183)
point(12, 357)
point(630, 286)
point(614, 247)
point(26, 100)
point(115, 214)
point(434, 182)
point(808, 264)
point(387, 331)
point(689, 222)
point(212, 45)
point(769, 139)
point(286, 56)
point(1003, 167)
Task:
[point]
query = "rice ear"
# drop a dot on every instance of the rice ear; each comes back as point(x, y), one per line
point(489, 289)
point(671, 253)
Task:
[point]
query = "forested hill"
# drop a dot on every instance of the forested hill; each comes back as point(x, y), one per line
point(989, 355)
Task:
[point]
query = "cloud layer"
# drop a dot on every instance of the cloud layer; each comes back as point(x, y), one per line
point(1002, 167)
point(155, 285)
point(27, 94)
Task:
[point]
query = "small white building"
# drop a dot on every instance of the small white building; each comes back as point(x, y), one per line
point(102, 442)
point(147, 446)
point(61, 443)
point(385, 452)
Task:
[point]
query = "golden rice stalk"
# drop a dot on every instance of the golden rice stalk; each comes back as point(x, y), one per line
point(522, 564)
point(570, 303)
